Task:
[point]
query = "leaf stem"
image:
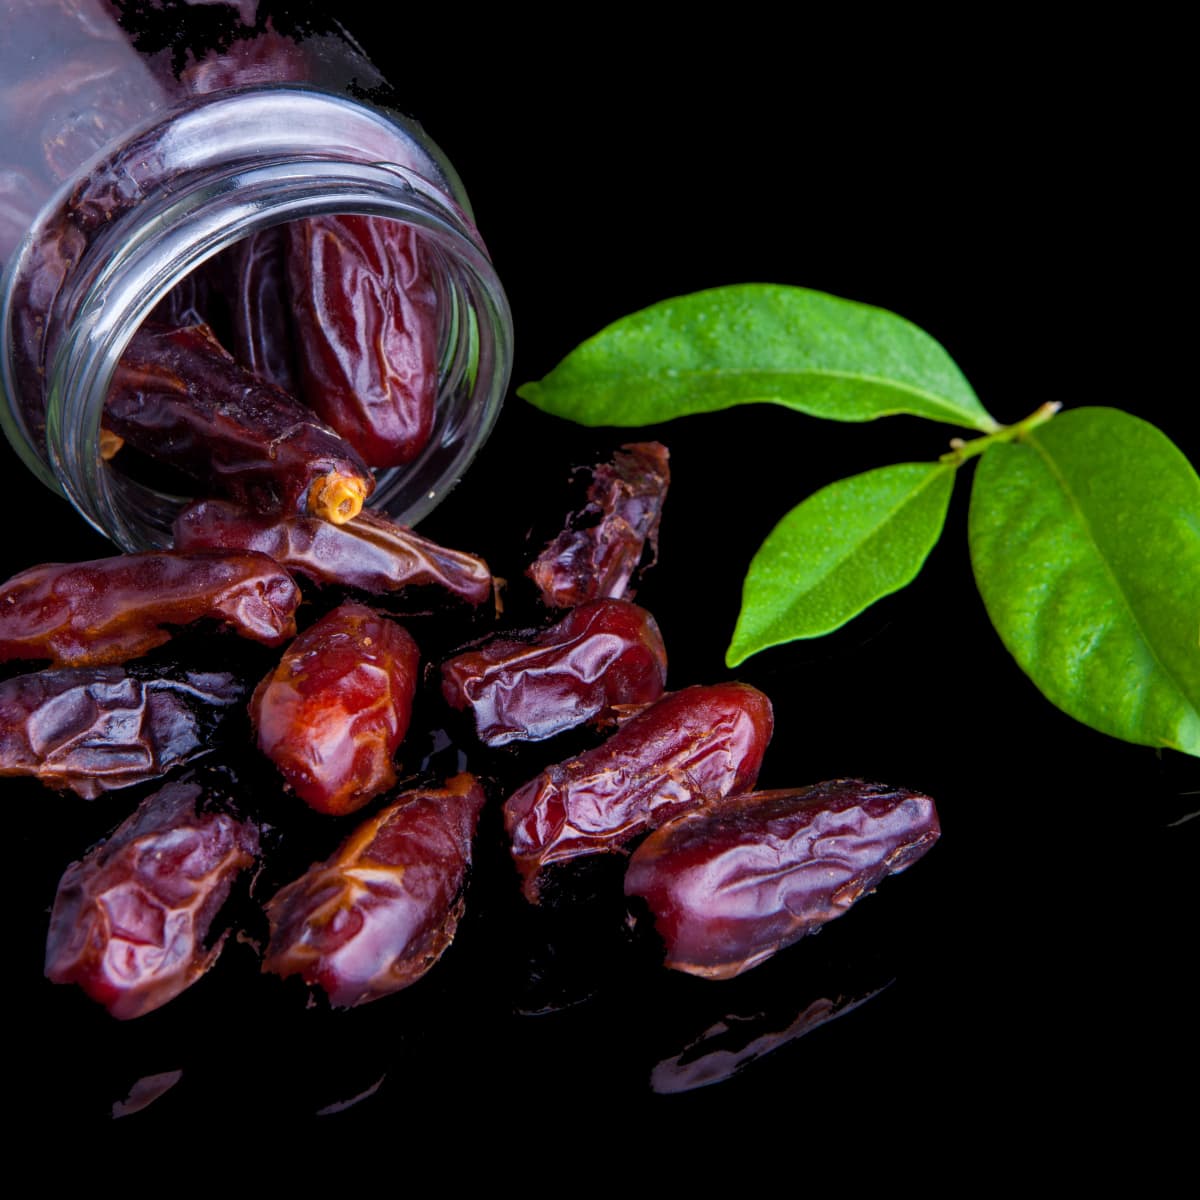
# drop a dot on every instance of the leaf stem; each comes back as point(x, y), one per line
point(961, 450)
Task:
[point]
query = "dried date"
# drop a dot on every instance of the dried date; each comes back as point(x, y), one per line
point(131, 919)
point(377, 915)
point(735, 882)
point(333, 712)
point(189, 302)
point(684, 751)
point(367, 331)
point(599, 551)
point(180, 397)
point(254, 273)
point(262, 56)
point(369, 552)
point(109, 610)
point(94, 729)
point(602, 658)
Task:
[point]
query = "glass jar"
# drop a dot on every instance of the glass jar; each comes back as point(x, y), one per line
point(131, 156)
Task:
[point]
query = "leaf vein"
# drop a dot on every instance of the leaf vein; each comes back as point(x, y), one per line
point(675, 375)
point(1067, 491)
point(854, 547)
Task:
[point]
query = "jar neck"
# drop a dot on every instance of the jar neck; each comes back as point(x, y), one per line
point(179, 193)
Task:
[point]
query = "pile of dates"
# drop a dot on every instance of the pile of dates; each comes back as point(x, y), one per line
point(730, 875)
point(666, 779)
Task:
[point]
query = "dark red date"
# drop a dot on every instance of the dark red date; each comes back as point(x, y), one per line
point(333, 712)
point(189, 302)
point(599, 551)
point(377, 915)
point(367, 331)
point(94, 729)
point(604, 657)
point(253, 272)
point(264, 56)
point(735, 882)
point(684, 751)
point(131, 919)
point(180, 397)
point(109, 610)
point(243, 293)
point(370, 552)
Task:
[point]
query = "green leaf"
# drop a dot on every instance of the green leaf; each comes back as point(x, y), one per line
point(758, 343)
point(838, 552)
point(1085, 539)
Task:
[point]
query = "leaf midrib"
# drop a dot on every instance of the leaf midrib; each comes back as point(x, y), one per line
point(891, 516)
point(1052, 466)
point(940, 402)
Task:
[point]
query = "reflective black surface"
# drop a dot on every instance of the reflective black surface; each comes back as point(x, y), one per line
point(1035, 963)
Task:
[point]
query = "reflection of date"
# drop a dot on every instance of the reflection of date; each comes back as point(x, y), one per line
point(332, 714)
point(370, 552)
point(130, 920)
point(603, 657)
point(738, 1042)
point(113, 609)
point(378, 914)
point(684, 751)
point(735, 882)
point(93, 729)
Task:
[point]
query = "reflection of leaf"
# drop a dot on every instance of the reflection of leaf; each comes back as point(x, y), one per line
point(1085, 540)
point(756, 343)
point(838, 552)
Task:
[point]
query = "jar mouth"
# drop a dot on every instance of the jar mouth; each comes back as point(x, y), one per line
point(136, 259)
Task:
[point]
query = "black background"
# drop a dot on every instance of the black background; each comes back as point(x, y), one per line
point(1010, 191)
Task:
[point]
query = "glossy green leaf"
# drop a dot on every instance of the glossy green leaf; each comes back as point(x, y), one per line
point(838, 552)
point(758, 343)
point(1085, 538)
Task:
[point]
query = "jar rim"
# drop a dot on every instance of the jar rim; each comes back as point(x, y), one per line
point(133, 261)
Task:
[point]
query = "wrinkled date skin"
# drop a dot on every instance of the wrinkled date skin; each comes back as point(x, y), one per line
point(598, 553)
point(266, 57)
point(180, 397)
point(367, 331)
point(94, 729)
point(684, 751)
point(377, 915)
point(370, 552)
point(732, 884)
point(254, 273)
point(333, 712)
point(243, 293)
point(60, 111)
point(51, 120)
point(189, 302)
point(131, 919)
point(110, 610)
point(603, 657)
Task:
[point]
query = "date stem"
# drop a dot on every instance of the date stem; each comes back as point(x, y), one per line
point(110, 444)
point(337, 498)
